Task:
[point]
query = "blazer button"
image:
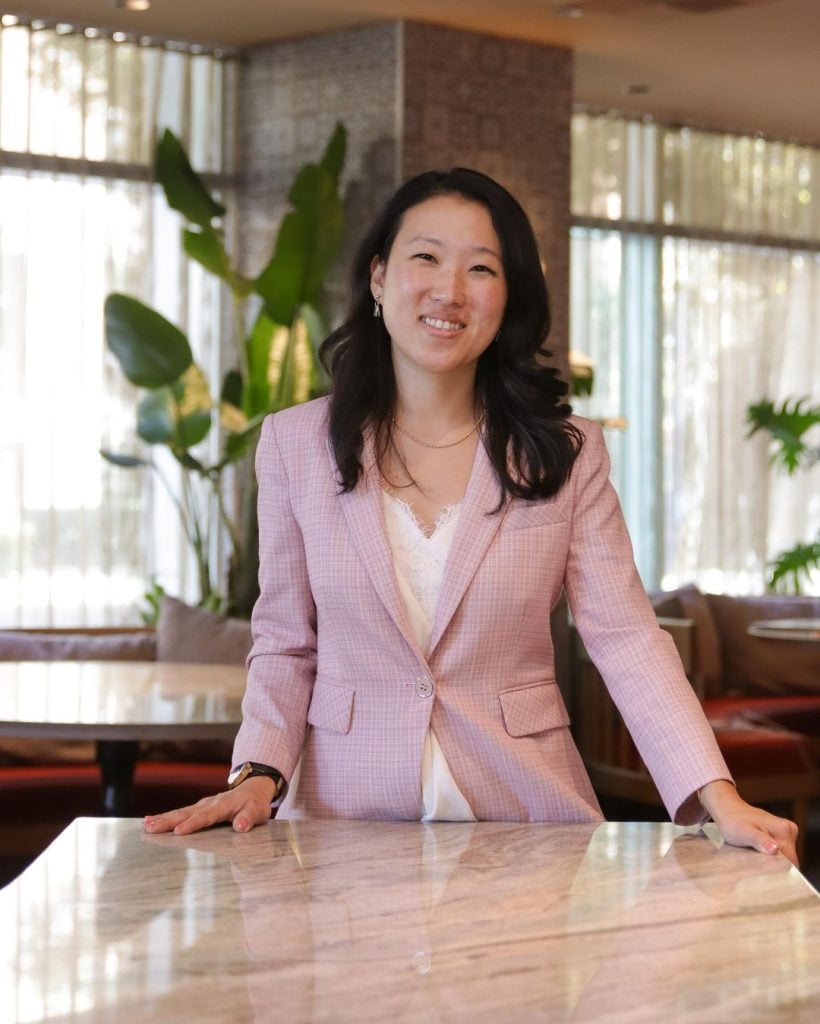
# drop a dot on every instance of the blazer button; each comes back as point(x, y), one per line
point(424, 686)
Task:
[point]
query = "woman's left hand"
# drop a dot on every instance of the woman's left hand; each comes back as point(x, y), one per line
point(741, 824)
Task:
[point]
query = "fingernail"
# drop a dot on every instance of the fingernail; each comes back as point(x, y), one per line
point(771, 846)
point(240, 825)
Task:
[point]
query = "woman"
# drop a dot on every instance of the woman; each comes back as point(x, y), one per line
point(416, 529)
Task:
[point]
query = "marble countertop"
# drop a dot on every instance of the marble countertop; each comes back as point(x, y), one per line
point(363, 921)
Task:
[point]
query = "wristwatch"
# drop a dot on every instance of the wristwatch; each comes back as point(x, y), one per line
point(249, 769)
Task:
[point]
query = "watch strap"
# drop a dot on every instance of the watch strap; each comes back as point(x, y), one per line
point(252, 769)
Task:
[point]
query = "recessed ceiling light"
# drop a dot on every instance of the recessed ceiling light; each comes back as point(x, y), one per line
point(569, 11)
point(133, 5)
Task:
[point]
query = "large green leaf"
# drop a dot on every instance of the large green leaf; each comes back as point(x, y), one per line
point(317, 332)
point(232, 388)
point(256, 394)
point(240, 442)
point(184, 189)
point(155, 420)
point(205, 246)
point(150, 349)
point(179, 415)
point(333, 158)
point(309, 238)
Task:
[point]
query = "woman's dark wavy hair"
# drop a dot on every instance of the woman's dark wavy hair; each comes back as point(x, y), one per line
point(526, 432)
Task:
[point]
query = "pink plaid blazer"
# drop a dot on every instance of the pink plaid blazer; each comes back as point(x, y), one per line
point(335, 675)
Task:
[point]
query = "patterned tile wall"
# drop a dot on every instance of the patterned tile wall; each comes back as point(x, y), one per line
point(503, 107)
point(291, 96)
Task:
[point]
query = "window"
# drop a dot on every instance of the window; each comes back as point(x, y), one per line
point(695, 275)
point(79, 218)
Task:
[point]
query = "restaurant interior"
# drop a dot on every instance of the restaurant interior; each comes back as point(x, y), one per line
point(163, 168)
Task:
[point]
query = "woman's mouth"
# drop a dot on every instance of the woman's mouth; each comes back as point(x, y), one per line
point(442, 325)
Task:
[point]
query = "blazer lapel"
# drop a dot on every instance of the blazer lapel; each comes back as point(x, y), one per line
point(474, 534)
point(364, 513)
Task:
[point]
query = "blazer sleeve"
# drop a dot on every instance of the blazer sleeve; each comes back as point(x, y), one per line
point(637, 660)
point(282, 661)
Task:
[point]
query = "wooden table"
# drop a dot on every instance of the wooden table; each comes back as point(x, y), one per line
point(119, 703)
point(334, 921)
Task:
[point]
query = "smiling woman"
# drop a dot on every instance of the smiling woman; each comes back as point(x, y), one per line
point(402, 665)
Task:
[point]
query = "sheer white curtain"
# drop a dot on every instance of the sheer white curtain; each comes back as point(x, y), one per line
point(695, 282)
point(79, 113)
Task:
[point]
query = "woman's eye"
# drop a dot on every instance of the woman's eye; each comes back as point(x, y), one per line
point(483, 269)
point(426, 256)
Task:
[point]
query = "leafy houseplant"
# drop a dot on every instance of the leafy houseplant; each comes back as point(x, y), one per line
point(787, 425)
point(277, 323)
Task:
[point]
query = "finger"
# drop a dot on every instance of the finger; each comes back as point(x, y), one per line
point(210, 812)
point(786, 833)
point(184, 820)
point(251, 813)
point(767, 842)
point(783, 833)
point(166, 821)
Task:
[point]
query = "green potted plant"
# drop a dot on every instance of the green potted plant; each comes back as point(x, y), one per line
point(277, 324)
point(788, 424)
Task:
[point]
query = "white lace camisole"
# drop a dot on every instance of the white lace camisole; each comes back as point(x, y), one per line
point(419, 563)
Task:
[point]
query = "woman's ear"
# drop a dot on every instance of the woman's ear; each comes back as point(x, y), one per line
point(376, 277)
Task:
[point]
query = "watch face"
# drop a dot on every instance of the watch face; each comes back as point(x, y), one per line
point(239, 774)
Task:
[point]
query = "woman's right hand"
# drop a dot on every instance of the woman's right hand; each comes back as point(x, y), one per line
point(247, 805)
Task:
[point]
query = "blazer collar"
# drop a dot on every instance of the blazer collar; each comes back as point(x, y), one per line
point(475, 531)
point(364, 512)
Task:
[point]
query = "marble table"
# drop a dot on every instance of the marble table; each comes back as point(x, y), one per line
point(119, 703)
point(334, 921)
point(787, 629)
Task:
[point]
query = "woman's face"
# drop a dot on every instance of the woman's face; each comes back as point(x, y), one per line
point(443, 289)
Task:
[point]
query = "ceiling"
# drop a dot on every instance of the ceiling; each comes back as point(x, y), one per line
point(748, 65)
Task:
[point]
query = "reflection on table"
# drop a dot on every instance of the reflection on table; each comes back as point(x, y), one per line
point(336, 921)
point(119, 703)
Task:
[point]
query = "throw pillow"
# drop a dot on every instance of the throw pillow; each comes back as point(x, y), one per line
point(758, 663)
point(194, 635)
point(188, 634)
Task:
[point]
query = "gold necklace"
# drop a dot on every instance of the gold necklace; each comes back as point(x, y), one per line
point(426, 444)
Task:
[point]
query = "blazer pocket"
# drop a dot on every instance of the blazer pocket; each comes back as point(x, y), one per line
point(533, 708)
point(331, 707)
point(526, 516)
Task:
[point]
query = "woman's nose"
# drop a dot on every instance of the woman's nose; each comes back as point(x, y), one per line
point(448, 287)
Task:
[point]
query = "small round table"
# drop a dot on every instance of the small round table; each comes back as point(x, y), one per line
point(786, 629)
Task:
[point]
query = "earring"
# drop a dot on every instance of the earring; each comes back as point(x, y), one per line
point(377, 309)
